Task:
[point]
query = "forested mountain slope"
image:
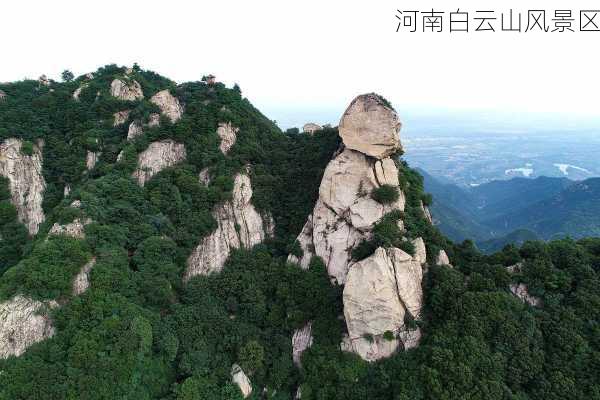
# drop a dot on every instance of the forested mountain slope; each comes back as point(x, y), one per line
point(168, 241)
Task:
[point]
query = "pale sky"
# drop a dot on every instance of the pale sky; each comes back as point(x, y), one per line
point(307, 59)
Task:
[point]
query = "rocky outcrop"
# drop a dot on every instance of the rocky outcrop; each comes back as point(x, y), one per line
point(135, 130)
point(521, 291)
point(168, 104)
point(23, 322)
point(345, 213)
point(204, 176)
point(44, 81)
point(2, 95)
point(311, 128)
point(91, 159)
point(27, 183)
point(426, 213)
point(239, 225)
point(129, 91)
point(228, 135)
point(120, 117)
point(370, 126)
point(239, 378)
point(379, 291)
point(78, 91)
point(75, 229)
point(442, 258)
point(158, 156)
point(301, 341)
point(81, 283)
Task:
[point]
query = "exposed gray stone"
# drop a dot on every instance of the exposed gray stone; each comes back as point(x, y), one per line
point(26, 181)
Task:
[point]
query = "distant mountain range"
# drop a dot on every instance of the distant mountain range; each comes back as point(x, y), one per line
point(513, 211)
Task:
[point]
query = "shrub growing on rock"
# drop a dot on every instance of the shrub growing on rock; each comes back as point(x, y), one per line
point(385, 194)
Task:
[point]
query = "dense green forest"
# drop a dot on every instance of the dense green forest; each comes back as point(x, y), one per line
point(140, 332)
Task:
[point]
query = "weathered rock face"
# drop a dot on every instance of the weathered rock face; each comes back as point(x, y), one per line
point(204, 176)
point(426, 213)
point(23, 322)
point(168, 104)
point(78, 91)
point(379, 291)
point(158, 156)
point(301, 341)
point(239, 378)
point(81, 283)
point(442, 258)
point(238, 225)
point(44, 81)
point(228, 135)
point(522, 292)
point(27, 183)
point(129, 91)
point(370, 126)
point(345, 213)
point(75, 229)
point(311, 128)
point(120, 117)
point(135, 130)
point(91, 159)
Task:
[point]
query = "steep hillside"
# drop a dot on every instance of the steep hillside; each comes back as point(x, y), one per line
point(573, 212)
point(168, 241)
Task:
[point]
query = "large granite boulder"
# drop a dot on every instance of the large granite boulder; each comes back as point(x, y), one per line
point(27, 183)
point(379, 291)
point(370, 125)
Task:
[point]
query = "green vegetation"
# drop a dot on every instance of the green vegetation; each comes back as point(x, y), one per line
point(139, 332)
point(385, 194)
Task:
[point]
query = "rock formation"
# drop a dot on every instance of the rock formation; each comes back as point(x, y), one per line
point(44, 81)
point(345, 212)
point(239, 378)
point(78, 91)
point(81, 283)
point(384, 289)
point(228, 135)
point(135, 130)
point(378, 293)
point(301, 340)
point(311, 128)
point(158, 156)
point(238, 225)
point(204, 176)
point(168, 104)
point(91, 159)
point(442, 258)
point(23, 322)
point(370, 126)
point(521, 291)
point(2, 95)
point(75, 229)
point(27, 183)
point(120, 117)
point(129, 91)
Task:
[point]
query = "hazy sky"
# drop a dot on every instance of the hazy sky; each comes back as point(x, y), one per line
point(305, 60)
